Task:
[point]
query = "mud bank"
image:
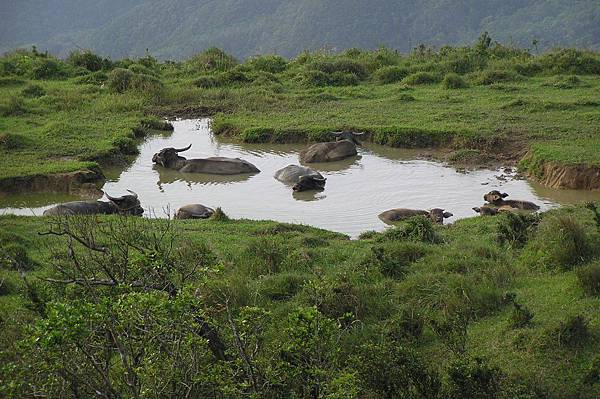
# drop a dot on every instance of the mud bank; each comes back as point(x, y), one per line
point(575, 177)
point(81, 181)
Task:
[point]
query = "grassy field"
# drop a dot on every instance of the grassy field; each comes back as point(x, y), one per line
point(62, 116)
point(508, 290)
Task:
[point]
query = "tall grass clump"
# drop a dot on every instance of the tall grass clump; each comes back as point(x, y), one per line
point(119, 80)
point(88, 60)
point(33, 91)
point(213, 59)
point(454, 81)
point(421, 78)
point(267, 63)
point(570, 61)
point(560, 243)
point(15, 106)
point(418, 228)
point(589, 278)
point(391, 74)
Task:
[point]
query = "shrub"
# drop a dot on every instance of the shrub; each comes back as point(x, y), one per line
point(560, 243)
point(589, 278)
point(33, 91)
point(141, 69)
point(14, 107)
point(420, 78)
point(213, 59)
point(119, 80)
point(48, 68)
point(454, 81)
point(86, 59)
point(343, 79)
point(268, 63)
point(94, 78)
point(489, 77)
point(393, 259)
point(207, 82)
point(515, 229)
point(314, 78)
point(417, 228)
point(571, 332)
point(571, 61)
point(233, 77)
point(473, 379)
point(219, 215)
point(344, 65)
point(391, 74)
point(281, 286)
point(145, 83)
point(269, 251)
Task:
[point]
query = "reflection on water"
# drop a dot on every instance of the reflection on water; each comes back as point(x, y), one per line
point(357, 189)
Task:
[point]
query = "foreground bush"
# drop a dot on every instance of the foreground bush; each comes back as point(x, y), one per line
point(454, 81)
point(589, 278)
point(391, 74)
point(86, 59)
point(421, 78)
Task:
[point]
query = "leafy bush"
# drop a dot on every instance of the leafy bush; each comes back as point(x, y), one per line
point(232, 77)
point(571, 332)
point(94, 78)
point(33, 91)
point(314, 78)
point(391, 74)
point(454, 81)
point(474, 379)
point(87, 60)
point(572, 61)
point(515, 229)
point(119, 80)
point(489, 77)
point(560, 243)
point(417, 228)
point(14, 107)
point(421, 78)
point(48, 68)
point(281, 286)
point(589, 278)
point(345, 65)
point(267, 63)
point(145, 83)
point(213, 59)
point(393, 259)
point(343, 79)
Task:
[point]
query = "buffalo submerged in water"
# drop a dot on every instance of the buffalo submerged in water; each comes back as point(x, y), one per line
point(170, 158)
point(344, 147)
point(124, 205)
point(301, 178)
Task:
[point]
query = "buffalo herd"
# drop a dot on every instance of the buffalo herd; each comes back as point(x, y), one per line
point(300, 178)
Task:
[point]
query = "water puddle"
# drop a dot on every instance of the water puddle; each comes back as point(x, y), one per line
point(357, 189)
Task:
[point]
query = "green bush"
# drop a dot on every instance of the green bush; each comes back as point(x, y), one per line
point(86, 59)
point(589, 278)
point(515, 229)
point(145, 83)
point(281, 286)
point(421, 78)
point(267, 63)
point(14, 107)
point(561, 242)
point(345, 65)
point(393, 259)
point(33, 91)
point(343, 79)
point(48, 68)
point(571, 332)
point(213, 59)
point(94, 78)
point(473, 379)
point(391, 74)
point(207, 82)
point(454, 81)
point(489, 77)
point(119, 80)
point(571, 61)
point(141, 69)
point(418, 228)
point(314, 78)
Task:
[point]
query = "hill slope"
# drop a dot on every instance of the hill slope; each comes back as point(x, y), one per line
point(179, 28)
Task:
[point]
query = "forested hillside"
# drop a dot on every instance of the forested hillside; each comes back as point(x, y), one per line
point(180, 28)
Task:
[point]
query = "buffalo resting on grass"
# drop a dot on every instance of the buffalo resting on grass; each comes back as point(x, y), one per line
point(436, 215)
point(301, 178)
point(343, 147)
point(170, 158)
point(125, 205)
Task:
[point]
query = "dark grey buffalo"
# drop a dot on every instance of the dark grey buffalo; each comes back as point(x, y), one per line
point(170, 158)
point(343, 147)
point(125, 205)
point(436, 215)
point(486, 210)
point(194, 211)
point(302, 178)
point(496, 198)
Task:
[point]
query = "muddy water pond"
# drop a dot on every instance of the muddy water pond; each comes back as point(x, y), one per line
point(357, 189)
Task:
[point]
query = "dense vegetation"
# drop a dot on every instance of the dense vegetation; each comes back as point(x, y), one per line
point(180, 28)
point(484, 101)
point(496, 307)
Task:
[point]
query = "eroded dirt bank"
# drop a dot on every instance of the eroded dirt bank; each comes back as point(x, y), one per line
point(87, 180)
point(575, 177)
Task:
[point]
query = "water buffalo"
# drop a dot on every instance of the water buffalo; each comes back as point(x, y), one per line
point(496, 198)
point(436, 215)
point(194, 211)
point(124, 205)
point(343, 147)
point(486, 210)
point(169, 158)
point(302, 178)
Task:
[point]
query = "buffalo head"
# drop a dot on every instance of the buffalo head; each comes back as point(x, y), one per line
point(347, 135)
point(168, 156)
point(127, 204)
point(494, 197)
point(310, 183)
point(438, 215)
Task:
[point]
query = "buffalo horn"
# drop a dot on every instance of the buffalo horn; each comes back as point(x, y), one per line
point(183, 149)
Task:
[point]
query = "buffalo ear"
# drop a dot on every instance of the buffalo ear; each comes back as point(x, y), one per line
point(477, 209)
point(448, 215)
point(504, 195)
